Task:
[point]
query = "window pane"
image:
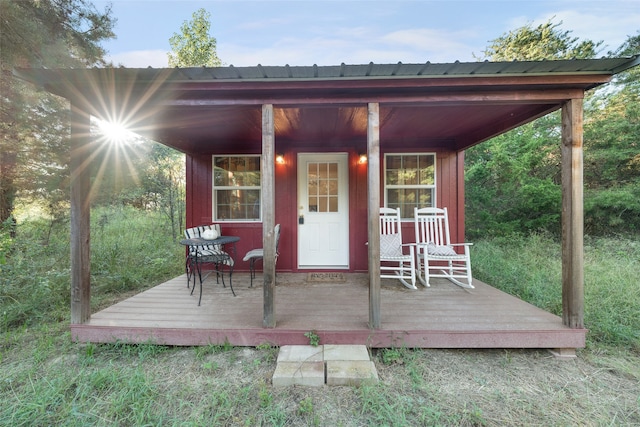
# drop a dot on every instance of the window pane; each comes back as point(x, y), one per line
point(323, 189)
point(322, 171)
point(427, 170)
point(221, 171)
point(394, 162)
point(394, 166)
point(333, 170)
point(322, 204)
point(412, 177)
point(392, 197)
point(333, 187)
point(425, 198)
point(238, 204)
point(231, 177)
point(313, 204)
point(333, 204)
point(312, 187)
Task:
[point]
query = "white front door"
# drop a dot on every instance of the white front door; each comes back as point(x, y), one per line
point(323, 211)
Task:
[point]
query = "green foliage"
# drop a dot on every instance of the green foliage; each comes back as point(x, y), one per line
point(50, 33)
point(546, 41)
point(46, 379)
point(41, 34)
point(314, 338)
point(612, 296)
point(163, 185)
point(513, 181)
point(530, 268)
point(269, 352)
point(142, 174)
point(130, 250)
point(305, 406)
point(193, 46)
point(612, 211)
point(203, 351)
point(392, 356)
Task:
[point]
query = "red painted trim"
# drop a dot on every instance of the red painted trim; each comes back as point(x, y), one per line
point(381, 338)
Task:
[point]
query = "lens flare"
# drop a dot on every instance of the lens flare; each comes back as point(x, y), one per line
point(115, 132)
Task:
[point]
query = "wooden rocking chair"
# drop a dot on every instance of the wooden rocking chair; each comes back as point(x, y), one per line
point(436, 255)
point(395, 262)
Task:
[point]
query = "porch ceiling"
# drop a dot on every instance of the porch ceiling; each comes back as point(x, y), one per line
point(457, 105)
point(204, 129)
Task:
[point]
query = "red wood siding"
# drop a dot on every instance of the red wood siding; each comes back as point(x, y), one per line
point(449, 180)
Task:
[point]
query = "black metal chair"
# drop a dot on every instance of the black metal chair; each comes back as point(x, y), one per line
point(205, 251)
point(257, 254)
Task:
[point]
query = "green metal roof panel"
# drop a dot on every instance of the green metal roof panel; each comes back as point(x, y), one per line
point(606, 66)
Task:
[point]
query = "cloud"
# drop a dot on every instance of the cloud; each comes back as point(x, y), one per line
point(355, 45)
point(599, 26)
point(140, 59)
point(433, 45)
point(595, 21)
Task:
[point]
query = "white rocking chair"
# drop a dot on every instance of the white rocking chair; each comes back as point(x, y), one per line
point(436, 254)
point(395, 262)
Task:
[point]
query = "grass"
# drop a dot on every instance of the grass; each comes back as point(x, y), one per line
point(130, 251)
point(46, 379)
point(530, 268)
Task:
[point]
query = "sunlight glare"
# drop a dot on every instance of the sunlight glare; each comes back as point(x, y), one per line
point(115, 132)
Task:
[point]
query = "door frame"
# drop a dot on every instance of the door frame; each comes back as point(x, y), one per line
point(343, 158)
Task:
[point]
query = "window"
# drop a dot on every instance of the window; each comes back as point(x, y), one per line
point(236, 188)
point(409, 181)
point(322, 186)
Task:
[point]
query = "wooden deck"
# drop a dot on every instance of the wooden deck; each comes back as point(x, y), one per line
point(443, 316)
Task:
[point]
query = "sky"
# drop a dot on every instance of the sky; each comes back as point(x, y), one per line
point(331, 32)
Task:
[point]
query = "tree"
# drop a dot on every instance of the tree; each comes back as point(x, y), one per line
point(612, 152)
point(546, 41)
point(193, 46)
point(42, 33)
point(164, 184)
point(513, 180)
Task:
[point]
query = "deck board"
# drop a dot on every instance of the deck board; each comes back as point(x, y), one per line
point(442, 316)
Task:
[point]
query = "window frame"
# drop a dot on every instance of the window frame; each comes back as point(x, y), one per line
point(433, 187)
point(215, 188)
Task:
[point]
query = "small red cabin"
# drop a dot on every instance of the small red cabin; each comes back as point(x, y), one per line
point(318, 149)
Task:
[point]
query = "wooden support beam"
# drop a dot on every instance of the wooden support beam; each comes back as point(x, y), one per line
point(373, 188)
point(80, 216)
point(572, 215)
point(268, 216)
point(519, 97)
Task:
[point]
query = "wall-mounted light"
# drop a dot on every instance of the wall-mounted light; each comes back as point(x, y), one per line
point(280, 159)
point(362, 158)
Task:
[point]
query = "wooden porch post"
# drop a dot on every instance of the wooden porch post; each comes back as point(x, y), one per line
point(572, 215)
point(373, 186)
point(268, 216)
point(80, 216)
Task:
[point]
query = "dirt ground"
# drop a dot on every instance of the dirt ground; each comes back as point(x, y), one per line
point(458, 387)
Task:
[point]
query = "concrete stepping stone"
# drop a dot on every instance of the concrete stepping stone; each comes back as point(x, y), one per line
point(329, 364)
point(309, 374)
point(351, 372)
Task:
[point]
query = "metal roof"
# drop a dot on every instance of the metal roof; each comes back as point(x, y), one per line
point(456, 104)
point(400, 70)
point(607, 66)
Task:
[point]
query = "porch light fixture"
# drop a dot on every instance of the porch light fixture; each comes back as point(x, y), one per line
point(280, 159)
point(362, 158)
